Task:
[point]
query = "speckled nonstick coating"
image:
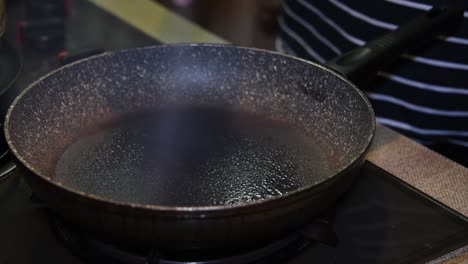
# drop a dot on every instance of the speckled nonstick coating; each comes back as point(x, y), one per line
point(54, 111)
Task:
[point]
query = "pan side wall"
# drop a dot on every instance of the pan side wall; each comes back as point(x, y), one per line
point(240, 228)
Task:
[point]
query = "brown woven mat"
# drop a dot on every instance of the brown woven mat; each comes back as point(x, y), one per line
point(422, 168)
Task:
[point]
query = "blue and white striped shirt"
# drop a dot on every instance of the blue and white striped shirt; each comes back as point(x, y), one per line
point(424, 95)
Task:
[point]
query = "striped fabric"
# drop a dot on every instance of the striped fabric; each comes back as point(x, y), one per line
point(424, 95)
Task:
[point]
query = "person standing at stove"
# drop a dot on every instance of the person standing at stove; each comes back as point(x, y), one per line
point(424, 96)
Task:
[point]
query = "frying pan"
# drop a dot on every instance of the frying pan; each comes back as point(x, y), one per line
point(75, 101)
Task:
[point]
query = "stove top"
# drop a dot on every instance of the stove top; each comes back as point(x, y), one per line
point(379, 220)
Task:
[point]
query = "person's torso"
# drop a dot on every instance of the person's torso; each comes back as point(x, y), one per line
point(424, 95)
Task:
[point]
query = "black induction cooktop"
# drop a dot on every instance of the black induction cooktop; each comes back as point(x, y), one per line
point(379, 220)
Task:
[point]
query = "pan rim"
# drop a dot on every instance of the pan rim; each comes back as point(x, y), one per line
point(193, 209)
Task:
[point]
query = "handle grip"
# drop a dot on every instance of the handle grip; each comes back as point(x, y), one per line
point(362, 63)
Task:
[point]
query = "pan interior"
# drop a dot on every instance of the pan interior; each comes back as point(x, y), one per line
point(193, 125)
point(191, 156)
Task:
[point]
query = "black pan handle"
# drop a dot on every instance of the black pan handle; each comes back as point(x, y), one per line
point(362, 63)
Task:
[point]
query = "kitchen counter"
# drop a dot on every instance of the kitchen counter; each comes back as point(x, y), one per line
point(435, 175)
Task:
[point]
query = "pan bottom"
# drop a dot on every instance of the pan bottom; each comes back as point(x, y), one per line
point(192, 157)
